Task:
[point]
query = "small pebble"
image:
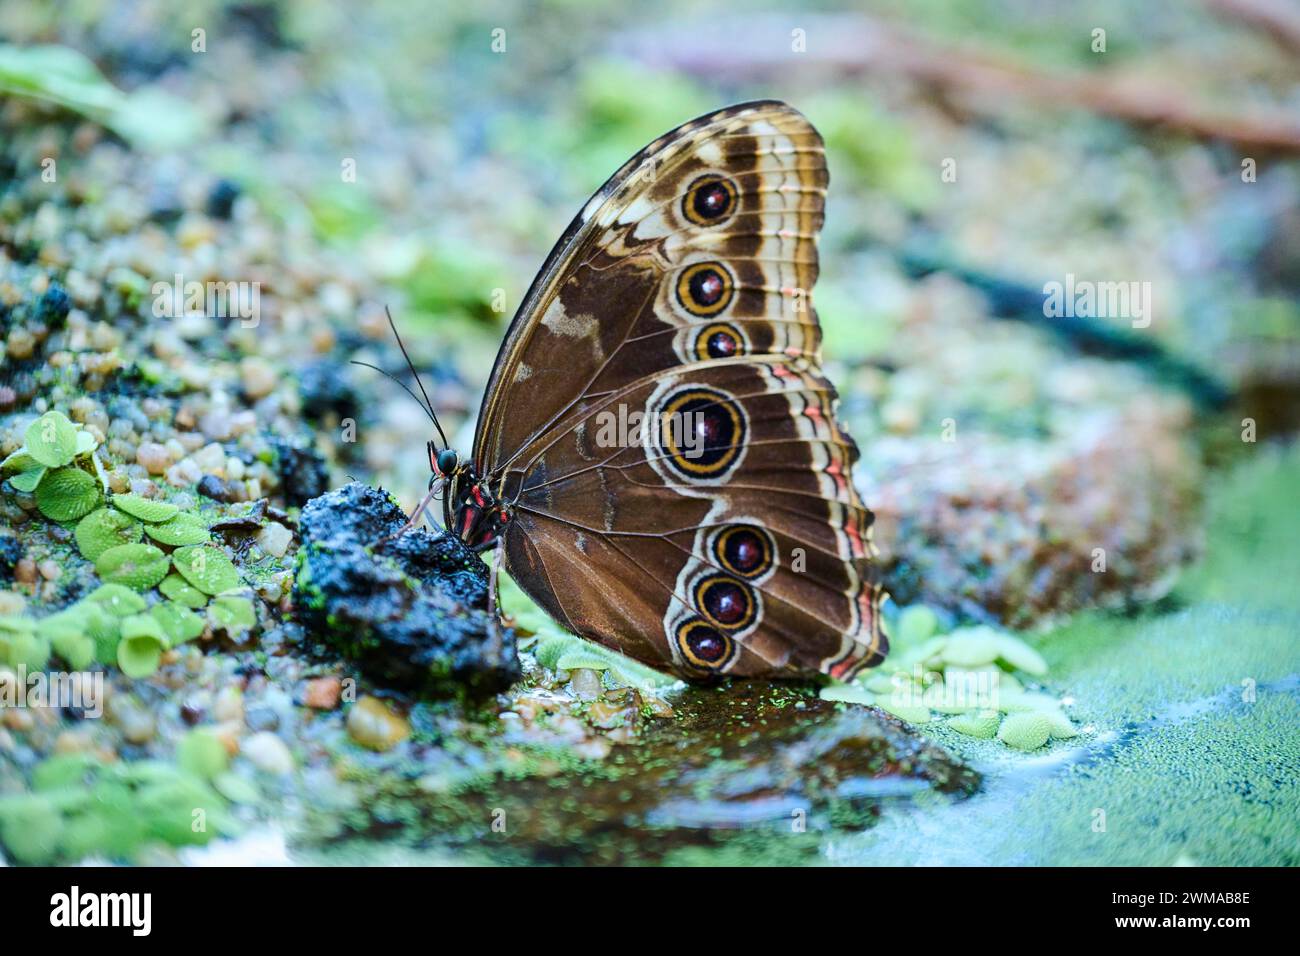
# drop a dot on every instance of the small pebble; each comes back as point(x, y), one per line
point(229, 704)
point(25, 571)
point(274, 539)
point(260, 717)
point(268, 753)
point(374, 726)
point(136, 723)
point(323, 693)
point(257, 377)
point(586, 684)
point(155, 457)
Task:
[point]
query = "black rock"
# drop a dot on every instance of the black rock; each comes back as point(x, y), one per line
point(324, 388)
point(210, 486)
point(411, 610)
point(11, 552)
point(221, 199)
point(54, 306)
point(302, 471)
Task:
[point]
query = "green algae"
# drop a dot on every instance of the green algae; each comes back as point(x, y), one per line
point(1190, 755)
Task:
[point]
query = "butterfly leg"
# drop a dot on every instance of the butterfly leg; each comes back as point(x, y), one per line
point(434, 488)
point(494, 620)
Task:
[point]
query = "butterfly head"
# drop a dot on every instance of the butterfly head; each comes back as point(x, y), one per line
point(444, 464)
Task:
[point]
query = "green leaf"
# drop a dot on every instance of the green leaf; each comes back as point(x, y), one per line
point(137, 566)
point(206, 568)
point(143, 508)
point(554, 642)
point(86, 443)
point(103, 529)
point(179, 623)
point(66, 494)
point(233, 614)
point(30, 827)
point(104, 628)
point(149, 118)
point(141, 647)
point(983, 724)
point(28, 480)
point(117, 599)
point(846, 693)
point(21, 460)
point(580, 659)
point(1020, 655)
point(51, 440)
point(1025, 731)
point(76, 648)
point(178, 589)
point(181, 529)
point(29, 650)
point(65, 770)
point(202, 753)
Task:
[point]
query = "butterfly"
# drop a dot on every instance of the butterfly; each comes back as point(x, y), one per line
point(657, 459)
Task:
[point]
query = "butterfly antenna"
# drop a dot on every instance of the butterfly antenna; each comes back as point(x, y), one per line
point(402, 385)
point(416, 375)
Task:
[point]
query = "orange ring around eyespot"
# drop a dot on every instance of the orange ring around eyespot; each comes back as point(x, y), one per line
point(720, 550)
point(679, 460)
point(683, 644)
point(686, 296)
point(702, 340)
point(702, 606)
point(692, 196)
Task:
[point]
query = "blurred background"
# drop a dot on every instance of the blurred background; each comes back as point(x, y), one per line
point(425, 156)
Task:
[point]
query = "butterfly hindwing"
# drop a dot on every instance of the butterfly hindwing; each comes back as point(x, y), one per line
point(659, 426)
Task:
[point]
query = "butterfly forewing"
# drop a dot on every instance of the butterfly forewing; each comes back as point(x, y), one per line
point(658, 422)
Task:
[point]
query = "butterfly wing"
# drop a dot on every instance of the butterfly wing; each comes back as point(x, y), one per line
point(659, 421)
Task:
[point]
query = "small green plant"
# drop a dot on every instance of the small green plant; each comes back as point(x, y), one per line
point(556, 649)
point(57, 464)
point(79, 807)
point(969, 674)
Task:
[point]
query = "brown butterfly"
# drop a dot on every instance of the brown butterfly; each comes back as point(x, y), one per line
point(657, 455)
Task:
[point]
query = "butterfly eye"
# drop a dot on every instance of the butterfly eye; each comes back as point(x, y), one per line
point(447, 461)
point(705, 288)
point(709, 201)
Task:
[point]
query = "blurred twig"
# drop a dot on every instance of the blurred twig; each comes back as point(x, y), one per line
point(1279, 20)
point(859, 44)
